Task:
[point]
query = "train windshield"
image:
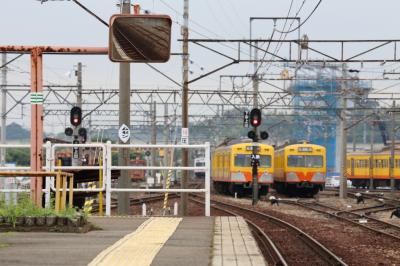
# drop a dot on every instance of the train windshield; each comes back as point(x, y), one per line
point(313, 161)
point(243, 160)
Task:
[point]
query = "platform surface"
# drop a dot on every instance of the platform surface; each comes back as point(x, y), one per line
point(234, 244)
point(193, 241)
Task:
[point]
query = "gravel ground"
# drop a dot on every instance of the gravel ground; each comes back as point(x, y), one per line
point(355, 245)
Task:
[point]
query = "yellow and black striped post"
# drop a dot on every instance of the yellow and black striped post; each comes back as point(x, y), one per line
point(168, 182)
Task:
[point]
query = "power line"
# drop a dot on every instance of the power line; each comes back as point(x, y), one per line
point(301, 24)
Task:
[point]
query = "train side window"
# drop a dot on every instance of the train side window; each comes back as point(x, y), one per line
point(397, 163)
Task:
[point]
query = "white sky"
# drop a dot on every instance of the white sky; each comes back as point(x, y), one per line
point(27, 22)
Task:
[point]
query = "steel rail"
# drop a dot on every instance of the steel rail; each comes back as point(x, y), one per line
point(324, 253)
point(136, 201)
point(270, 251)
point(374, 225)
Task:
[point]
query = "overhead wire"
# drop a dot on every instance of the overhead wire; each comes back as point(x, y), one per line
point(269, 43)
point(308, 17)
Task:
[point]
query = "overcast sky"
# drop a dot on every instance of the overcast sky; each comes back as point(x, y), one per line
point(28, 22)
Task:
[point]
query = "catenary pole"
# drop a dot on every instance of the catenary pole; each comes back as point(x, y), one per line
point(124, 118)
point(3, 106)
point(392, 149)
point(185, 107)
point(153, 107)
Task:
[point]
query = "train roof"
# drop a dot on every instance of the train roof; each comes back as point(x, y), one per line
point(244, 144)
point(300, 144)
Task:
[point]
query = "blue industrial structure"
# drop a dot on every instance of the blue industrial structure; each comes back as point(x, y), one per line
point(319, 88)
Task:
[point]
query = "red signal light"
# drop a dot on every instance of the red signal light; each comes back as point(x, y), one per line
point(255, 117)
point(76, 116)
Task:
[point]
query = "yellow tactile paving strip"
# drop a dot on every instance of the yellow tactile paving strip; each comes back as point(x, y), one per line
point(141, 246)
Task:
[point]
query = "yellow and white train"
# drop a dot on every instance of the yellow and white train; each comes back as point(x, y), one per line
point(362, 167)
point(231, 171)
point(300, 169)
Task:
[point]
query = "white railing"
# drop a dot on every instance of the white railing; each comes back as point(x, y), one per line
point(206, 168)
point(107, 167)
point(13, 168)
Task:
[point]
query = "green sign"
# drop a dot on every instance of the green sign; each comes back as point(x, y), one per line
point(36, 98)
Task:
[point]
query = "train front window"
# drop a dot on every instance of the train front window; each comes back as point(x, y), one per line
point(243, 160)
point(313, 161)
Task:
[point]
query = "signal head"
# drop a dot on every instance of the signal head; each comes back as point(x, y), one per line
point(252, 135)
point(69, 131)
point(76, 116)
point(264, 134)
point(255, 117)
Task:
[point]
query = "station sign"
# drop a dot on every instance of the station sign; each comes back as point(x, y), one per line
point(185, 135)
point(124, 133)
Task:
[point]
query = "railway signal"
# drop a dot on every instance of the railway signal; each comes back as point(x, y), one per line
point(264, 135)
point(82, 132)
point(76, 116)
point(252, 135)
point(69, 131)
point(255, 117)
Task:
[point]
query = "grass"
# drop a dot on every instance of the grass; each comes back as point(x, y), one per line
point(26, 207)
point(3, 245)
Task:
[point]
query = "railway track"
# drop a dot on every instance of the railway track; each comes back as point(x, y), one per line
point(290, 241)
point(354, 217)
point(136, 201)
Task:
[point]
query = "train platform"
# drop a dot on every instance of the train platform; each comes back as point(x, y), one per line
point(155, 241)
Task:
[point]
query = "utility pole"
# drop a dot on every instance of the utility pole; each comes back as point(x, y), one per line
point(79, 85)
point(255, 78)
point(354, 136)
point(153, 135)
point(78, 74)
point(392, 147)
point(371, 158)
point(166, 141)
point(124, 118)
point(185, 107)
point(343, 179)
point(3, 107)
point(343, 134)
point(254, 171)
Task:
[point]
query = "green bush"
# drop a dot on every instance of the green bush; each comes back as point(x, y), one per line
point(26, 207)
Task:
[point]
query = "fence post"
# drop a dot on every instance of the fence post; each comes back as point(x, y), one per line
point(48, 169)
point(108, 164)
point(207, 178)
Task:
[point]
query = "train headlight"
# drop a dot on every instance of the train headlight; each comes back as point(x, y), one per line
point(238, 177)
point(265, 178)
point(318, 177)
point(292, 177)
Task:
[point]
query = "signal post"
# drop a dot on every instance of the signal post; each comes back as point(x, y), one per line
point(255, 120)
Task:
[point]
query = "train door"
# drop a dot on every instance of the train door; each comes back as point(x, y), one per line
point(352, 167)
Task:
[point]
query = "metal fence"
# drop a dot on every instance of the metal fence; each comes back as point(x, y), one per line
point(107, 167)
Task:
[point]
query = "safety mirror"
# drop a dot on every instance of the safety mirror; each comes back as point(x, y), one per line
point(140, 38)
